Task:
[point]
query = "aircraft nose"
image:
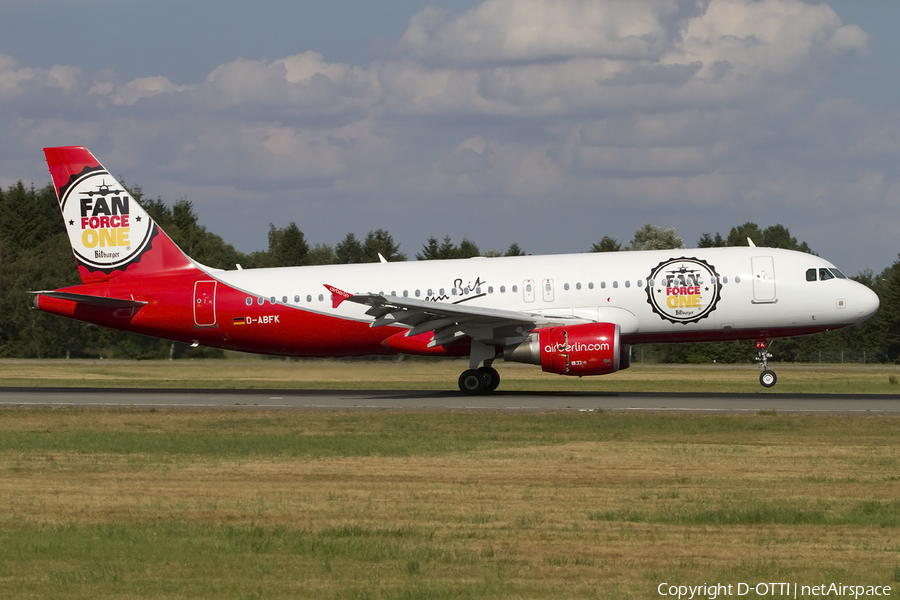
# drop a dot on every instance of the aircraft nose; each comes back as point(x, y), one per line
point(866, 302)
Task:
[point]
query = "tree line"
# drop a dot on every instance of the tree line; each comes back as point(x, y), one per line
point(35, 255)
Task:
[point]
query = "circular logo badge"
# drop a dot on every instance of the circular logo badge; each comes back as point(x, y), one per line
point(683, 290)
point(107, 228)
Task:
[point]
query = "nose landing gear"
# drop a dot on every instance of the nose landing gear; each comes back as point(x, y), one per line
point(767, 378)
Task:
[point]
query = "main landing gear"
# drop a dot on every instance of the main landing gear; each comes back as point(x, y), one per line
point(478, 381)
point(767, 378)
point(475, 381)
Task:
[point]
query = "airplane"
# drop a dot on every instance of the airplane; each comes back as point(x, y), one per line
point(572, 314)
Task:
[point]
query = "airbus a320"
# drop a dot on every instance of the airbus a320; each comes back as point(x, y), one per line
point(572, 314)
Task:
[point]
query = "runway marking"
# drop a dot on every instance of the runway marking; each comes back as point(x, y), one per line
point(344, 400)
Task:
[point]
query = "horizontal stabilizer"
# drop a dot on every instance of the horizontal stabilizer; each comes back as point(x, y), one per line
point(98, 301)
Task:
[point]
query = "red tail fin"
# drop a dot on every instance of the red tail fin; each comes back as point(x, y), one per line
point(111, 234)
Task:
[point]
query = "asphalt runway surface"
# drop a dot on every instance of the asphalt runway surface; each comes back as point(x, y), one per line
point(448, 400)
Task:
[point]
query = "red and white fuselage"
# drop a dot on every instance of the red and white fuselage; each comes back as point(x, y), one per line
point(136, 279)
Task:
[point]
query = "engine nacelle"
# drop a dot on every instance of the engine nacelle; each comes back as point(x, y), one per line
point(586, 349)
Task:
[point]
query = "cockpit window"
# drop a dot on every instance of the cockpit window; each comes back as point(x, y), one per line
point(825, 274)
point(838, 274)
point(811, 275)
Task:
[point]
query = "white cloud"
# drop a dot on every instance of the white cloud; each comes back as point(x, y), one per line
point(137, 89)
point(503, 31)
point(764, 36)
point(18, 82)
point(630, 105)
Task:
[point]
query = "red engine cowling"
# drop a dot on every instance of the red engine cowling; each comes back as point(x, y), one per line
point(586, 349)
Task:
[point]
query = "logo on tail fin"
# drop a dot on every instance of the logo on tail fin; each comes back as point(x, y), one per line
point(106, 227)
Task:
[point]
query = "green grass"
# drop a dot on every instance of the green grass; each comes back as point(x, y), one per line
point(156, 434)
point(435, 374)
point(326, 504)
point(756, 511)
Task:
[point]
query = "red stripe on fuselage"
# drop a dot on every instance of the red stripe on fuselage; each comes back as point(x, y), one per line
point(269, 328)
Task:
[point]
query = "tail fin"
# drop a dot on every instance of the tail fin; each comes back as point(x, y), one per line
point(110, 233)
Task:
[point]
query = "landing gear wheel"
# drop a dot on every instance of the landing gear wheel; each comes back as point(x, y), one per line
point(768, 378)
point(473, 382)
point(492, 376)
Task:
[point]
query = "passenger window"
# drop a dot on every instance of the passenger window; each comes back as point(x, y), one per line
point(725, 279)
point(249, 301)
point(566, 286)
point(640, 283)
point(737, 278)
point(602, 285)
point(515, 288)
point(590, 285)
point(309, 298)
point(284, 299)
point(321, 297)
point(628, 283)
point(616, 284)
point(418, 293)
point(825, 274)
point(296, 299)
point(811, 275)
point(502, 289)
point(578, 286)
point(260, 300)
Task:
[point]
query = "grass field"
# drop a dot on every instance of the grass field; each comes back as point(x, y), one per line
point(176, 504)
point(436, 374)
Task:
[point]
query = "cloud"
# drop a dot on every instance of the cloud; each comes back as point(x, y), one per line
point(17, 82)
point(609, 105)
point(767, 36)
point(516, 31)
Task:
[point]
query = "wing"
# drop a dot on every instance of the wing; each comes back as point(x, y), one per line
point(449, 322)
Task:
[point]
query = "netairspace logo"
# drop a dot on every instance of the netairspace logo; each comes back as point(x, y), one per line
point(771, 590)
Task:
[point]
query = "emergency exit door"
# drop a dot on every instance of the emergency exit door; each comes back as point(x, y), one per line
point(205, 303)
point(763, 279)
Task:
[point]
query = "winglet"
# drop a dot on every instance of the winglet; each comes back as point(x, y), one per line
point(337, 296)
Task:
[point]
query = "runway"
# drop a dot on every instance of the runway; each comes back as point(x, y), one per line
point(447, 401)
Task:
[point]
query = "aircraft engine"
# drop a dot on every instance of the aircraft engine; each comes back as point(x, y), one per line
point(585, 349)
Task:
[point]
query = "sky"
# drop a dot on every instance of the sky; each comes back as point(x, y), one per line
point(546, 123)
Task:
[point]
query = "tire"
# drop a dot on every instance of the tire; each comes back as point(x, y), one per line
point(768, 378)
point(492, 378)
point(472, 382)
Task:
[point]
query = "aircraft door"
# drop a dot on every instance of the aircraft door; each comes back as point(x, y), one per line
point(205, 303)
point(528, 290)
point(547, 289)
point(763, 279)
